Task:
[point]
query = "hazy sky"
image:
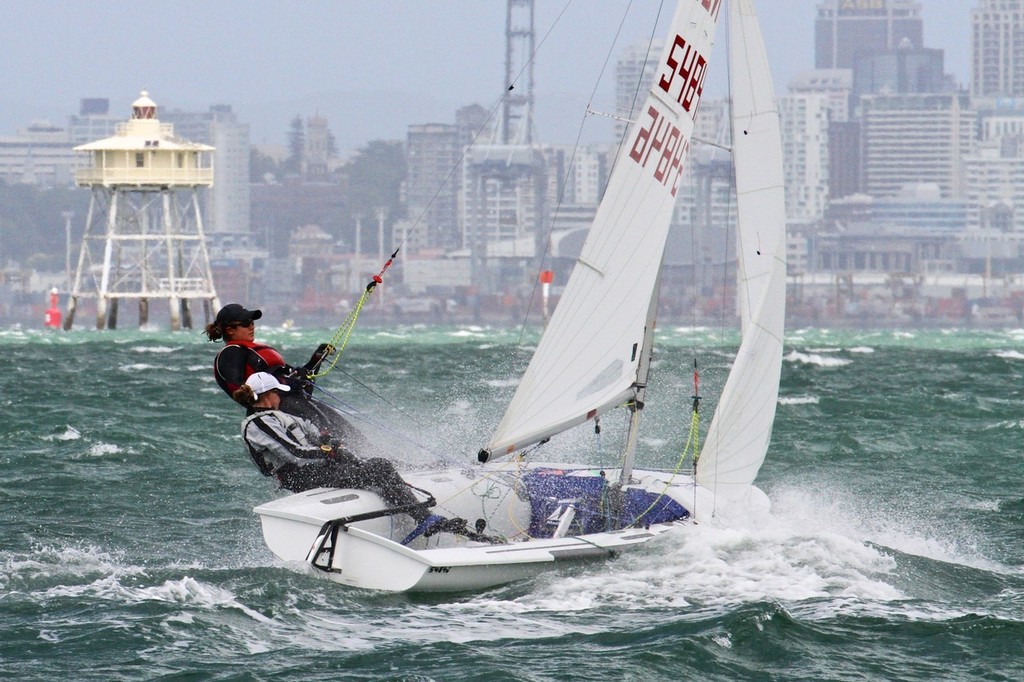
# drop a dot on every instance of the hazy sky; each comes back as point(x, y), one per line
point(371, 67)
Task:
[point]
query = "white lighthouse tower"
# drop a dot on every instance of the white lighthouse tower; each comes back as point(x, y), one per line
point(143, 235)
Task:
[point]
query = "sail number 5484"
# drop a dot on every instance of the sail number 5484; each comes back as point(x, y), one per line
point(683, 79)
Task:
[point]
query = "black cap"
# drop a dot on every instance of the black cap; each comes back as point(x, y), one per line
point(233, 312)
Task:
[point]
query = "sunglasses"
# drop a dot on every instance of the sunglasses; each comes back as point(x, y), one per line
point(233, 325)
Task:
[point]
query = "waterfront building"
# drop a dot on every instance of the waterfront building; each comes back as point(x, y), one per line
point(921, 206)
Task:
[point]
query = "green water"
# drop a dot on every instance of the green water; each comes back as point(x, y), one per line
point(894, 549)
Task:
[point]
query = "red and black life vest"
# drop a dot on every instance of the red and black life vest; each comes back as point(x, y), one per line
point(237, 360)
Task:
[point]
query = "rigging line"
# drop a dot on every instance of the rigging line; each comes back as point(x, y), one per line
point(334, 402)
point(693, 438)
point(647, 57)
point(456, 166)
point(576, 144)
point(728, 230)
point(393, 406)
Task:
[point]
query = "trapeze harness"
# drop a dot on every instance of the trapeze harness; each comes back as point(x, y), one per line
point(279, 449)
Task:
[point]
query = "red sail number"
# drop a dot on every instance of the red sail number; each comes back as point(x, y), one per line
point(690, 66)
point(712, 6)
point(663, 141)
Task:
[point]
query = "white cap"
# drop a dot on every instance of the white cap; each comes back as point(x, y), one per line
point(261, 382)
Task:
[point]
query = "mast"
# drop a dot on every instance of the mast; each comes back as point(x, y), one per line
point(640, 387)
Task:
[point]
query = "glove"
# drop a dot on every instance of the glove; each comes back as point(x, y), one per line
point(323, 350)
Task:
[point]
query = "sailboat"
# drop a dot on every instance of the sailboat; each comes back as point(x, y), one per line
point(593, 357)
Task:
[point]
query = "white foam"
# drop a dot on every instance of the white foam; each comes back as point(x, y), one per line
point(817, 359)
point(468, 333)
point(868, 521)
point(50, 563)
point(502, 383)
point(1009, 354)
point(799, 400)
point(139, 367)
point(101, 449)
point(459, 407)
point(155, 349)
point(70, 433)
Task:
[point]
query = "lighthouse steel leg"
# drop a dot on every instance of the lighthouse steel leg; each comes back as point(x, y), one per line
point(76, 288)
point(101, 298)
point(169, 231)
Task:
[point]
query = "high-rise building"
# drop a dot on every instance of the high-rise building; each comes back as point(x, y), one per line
point(994, 175)
point(804, 120)
point(94, 121)
point(845, 28)
point(909, 139)
point(228, 201)
point(432, 182)
point(843, 143)
point(634, 74)
point(997, 49)
point(904, 69)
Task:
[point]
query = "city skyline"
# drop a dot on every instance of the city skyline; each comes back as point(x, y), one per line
point(297, 60)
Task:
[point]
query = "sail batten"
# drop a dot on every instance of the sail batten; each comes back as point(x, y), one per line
point(585, 363)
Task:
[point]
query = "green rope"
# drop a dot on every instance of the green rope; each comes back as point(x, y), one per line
point(340, 339)
point(341, 336)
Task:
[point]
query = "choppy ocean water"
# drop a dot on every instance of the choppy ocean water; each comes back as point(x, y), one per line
point(894, 549)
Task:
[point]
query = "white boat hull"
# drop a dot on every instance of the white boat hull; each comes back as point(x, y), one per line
point(369, 554)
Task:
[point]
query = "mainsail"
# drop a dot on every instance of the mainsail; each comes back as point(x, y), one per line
point(740, 431)
point(587, 360)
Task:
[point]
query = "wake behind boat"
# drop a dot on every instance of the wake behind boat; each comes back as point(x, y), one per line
point(594, 356)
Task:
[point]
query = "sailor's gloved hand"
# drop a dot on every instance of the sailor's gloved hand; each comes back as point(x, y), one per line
point(323, 350)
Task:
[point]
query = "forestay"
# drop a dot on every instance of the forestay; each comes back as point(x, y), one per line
point(587, 359)
point(740, 431)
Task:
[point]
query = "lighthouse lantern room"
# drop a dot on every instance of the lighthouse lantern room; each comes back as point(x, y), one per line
point(143, 236)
